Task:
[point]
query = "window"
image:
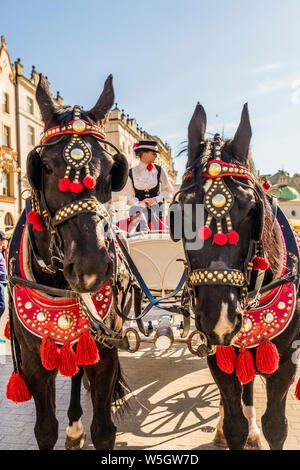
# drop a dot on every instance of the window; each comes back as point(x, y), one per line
point(5, 184)
point(5, 104)
point(30, 135)
point(8, 220)
point(29, 105)
point(6, 136)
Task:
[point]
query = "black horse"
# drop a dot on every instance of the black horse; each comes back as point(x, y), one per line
point(78, 247)
point(219, 307)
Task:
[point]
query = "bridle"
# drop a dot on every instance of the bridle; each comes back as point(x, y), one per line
point(218, 201)
point(77, 157)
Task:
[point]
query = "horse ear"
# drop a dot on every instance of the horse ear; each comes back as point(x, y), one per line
point(241, 141)
point(196, 132)
point(34, 170)
point(100, 111)
point(119, 172)
point(45, 101)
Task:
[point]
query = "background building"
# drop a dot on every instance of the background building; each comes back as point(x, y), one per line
point(8, 146)
point(123, 132)
point(29, 124)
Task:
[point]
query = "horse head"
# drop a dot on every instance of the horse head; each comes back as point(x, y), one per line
point(71, 175)
point(219, 177)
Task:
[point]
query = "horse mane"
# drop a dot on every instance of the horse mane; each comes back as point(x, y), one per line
point(271, 238)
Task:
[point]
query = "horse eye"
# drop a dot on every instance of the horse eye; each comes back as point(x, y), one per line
point(48, 169)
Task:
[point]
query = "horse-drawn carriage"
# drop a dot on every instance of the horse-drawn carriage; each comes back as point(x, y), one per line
point(75, 281)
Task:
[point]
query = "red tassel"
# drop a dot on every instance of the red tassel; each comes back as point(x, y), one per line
point(17, 389)
point(260, 264)
point(204, 233)
point(64, 185)
point(226, 358)
point(87, 352)
point(297, 391)
point(267, 357)
point(67, 361)
point(49, 353)
point(7, 330)
point(150, 166)
point(76, 187)
point(89, 182)
point(220, 239)
point(245, 369)
point(233, 237)
point(266, 185)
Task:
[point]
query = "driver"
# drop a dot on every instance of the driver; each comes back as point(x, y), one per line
point(147, 187)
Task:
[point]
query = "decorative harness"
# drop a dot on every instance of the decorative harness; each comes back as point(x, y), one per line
point(59, 317)
point(268, 309)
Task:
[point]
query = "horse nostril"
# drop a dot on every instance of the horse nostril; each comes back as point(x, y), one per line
point(70, 273)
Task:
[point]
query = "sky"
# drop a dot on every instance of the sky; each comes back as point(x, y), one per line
point(165, 56)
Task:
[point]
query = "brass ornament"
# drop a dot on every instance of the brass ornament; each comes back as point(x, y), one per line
point(214, 169)
point(79, 126)
point(65, 322)
point(247, 325)
point(218, 200)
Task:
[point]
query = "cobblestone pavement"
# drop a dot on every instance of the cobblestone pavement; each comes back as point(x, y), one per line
point(176, 388)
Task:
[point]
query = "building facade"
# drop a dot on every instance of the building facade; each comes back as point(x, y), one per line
point(9, 168)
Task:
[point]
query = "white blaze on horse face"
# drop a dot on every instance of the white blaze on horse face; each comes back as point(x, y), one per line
point(89, 280)
point(223, 326)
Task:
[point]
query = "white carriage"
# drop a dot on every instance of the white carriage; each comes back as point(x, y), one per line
point(159, 261)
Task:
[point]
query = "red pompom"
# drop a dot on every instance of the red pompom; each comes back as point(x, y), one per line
point(150, 166)
point(267, 357)
point(87, 352)
point(49, 353)
point(260, 264)
point(204, 233)
point(297, 391)
point(7, 330)
point(226, 358)
point(245, 369)
point(64, 185)
point(33, 217)
point(220, 239)
point(135, 145)
point(36, 220)
point(76, 187)
point(266, 185)
point(39, 227)
point(67, 361)
point(89, 182)
point(17, 389)
point(233, 237)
